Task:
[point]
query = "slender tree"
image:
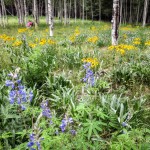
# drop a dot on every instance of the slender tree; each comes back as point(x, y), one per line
point(145, 12)
point(100, 9)
point(65, 12)
point(75, 10)
point(35, 13)
point(51, 17)
point(92, 9)
point(3, 14)
point(83, 2)
point(115, 22)
point(25, 11)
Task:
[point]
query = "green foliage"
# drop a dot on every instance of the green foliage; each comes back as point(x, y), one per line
point(112, 114)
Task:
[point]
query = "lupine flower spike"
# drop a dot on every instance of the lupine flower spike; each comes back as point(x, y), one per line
point(18, 92)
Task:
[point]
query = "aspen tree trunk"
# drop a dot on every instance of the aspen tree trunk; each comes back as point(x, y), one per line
point(75, 10)
point(60, 11)
point(145, 12)
point(1, 16)
point(100, 7)
point(41, 11)
point(50, 18)
point(22, 12)
point(121, 3)
point(65, 12)
point(130, 18)
point(25, 12)
point(70, 10)
point(15, 4)
point(92, 9)
point(3, 13)
point(138, 10)
point(83, 10)
point(115, 22)
point(35, 12)
point(46, 11)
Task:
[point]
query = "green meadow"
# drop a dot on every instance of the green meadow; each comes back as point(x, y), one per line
point(74, 91)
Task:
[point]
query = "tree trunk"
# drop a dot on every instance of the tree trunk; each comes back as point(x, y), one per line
point(145, 12)
point(92, 9)
point(25, 12)
point(100, 9)
point(83, 11)
point(65, 12)
point(70, 10)
point(115, 22)
point(35, 13)
point(46, 10)
point(50, 17)
point(3, 14)
point(138, 10)
point(75, 10)
point(130, 18)
point(121, 3)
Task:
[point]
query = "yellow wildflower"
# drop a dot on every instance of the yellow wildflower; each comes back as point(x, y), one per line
point(93, 39)
point(17, 43)
point(51, 42)
point(22, 30)
point(93, 61)
point(42, 41)
point(32, 45)
point(147, 43)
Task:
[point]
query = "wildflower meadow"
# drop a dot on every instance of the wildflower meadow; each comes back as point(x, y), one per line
point(74, 91)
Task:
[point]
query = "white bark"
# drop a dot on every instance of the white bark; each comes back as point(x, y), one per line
point(115, 22)
point(65, 12)
point(3, 14)
point(35, 12)
point(145, 12)
point(121, 3)
point(46, 11)
point(25, 12)
point(50, 18)
point(75, 10)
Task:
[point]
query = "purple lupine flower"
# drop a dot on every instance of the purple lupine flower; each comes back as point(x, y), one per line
point(17, 93)
point(70, 120)
point(9, 83)
point(30, 144)
point(73, 132)
point(89, 76)
point(124, 124)
point(45, 110)
point(34, 142)
point(65, 123)
point(30, 96)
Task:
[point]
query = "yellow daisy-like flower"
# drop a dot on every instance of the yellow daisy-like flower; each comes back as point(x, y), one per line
point(137, 41)
point(42, 41)
point(22, 30)
point(147, 43)
point(17, 43)
point(122, 48)
point(32, 45)
point(51, 42)
point(93, 39)
point(93, 61)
